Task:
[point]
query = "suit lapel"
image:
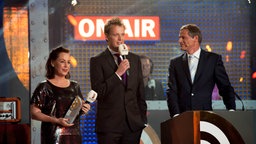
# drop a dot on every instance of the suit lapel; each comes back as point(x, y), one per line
point(185, 67)
point(110, 59)
point(130, 70)
point(200, 65)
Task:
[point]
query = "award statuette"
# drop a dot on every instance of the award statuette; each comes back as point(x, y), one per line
point(74, 109)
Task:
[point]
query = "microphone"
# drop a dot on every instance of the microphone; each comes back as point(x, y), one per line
point(91, 97)
point(123, 50)
point(238, 97)
point(77, 104)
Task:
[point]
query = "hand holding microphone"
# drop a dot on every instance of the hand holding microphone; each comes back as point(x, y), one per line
point(123, 50)
point(91, 97)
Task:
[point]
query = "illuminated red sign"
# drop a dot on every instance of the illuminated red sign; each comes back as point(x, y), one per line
point(137, 27)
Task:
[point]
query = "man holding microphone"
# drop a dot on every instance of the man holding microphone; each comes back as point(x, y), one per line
point(116, 76)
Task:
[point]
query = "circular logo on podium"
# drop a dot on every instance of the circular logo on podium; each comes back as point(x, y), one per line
point(149, 136)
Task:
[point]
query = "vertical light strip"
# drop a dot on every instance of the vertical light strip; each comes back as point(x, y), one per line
point(196, 119)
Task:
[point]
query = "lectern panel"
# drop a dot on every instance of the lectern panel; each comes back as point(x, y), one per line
point(195, 127)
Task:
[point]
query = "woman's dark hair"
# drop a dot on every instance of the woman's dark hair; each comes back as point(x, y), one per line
point(54, 54)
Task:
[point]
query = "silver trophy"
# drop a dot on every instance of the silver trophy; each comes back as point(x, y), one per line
point(74, 109)
point(77, 104)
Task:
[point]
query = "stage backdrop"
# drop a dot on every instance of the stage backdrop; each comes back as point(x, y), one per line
point(228, 28)
point(225, 26)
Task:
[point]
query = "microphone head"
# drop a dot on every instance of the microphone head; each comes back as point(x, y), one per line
point(123, 49)
point(91, 96)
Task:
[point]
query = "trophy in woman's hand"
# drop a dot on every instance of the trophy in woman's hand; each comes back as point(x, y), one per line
point(77, 104)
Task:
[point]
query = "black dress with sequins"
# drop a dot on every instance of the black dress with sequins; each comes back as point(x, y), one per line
point(55, 101)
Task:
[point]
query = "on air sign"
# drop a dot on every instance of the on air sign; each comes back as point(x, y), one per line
point(137, 27)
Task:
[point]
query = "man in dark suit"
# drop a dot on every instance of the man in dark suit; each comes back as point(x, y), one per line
point(121, 106)
point(153, 88)
point(193, 91)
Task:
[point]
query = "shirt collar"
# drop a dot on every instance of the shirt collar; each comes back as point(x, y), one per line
point(112, 52)
point(196, 53)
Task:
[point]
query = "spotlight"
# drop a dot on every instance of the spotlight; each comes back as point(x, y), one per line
point(74, 2)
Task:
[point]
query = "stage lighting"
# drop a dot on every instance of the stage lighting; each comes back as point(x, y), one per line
point(74, 2)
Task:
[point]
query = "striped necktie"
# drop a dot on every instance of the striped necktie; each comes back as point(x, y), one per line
point(192, 66)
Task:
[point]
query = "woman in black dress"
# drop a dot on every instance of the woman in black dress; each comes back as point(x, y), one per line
point(52, 99)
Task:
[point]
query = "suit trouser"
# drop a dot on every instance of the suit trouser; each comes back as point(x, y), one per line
point(125, 137)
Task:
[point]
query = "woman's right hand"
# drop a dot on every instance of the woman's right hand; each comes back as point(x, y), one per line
point(63, 122)
point(38, 115)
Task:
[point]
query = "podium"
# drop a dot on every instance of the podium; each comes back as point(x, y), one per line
point(195, 127)
point(14, 133)
point(11, 132)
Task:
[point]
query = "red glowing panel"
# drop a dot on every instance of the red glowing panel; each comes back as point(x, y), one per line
point(254, 75)
point(137, 27)
point(242, 55)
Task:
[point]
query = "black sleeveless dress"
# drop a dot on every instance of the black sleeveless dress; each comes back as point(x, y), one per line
point(55, 101)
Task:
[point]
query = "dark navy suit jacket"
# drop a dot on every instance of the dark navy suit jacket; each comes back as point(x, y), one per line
point(183, 96)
